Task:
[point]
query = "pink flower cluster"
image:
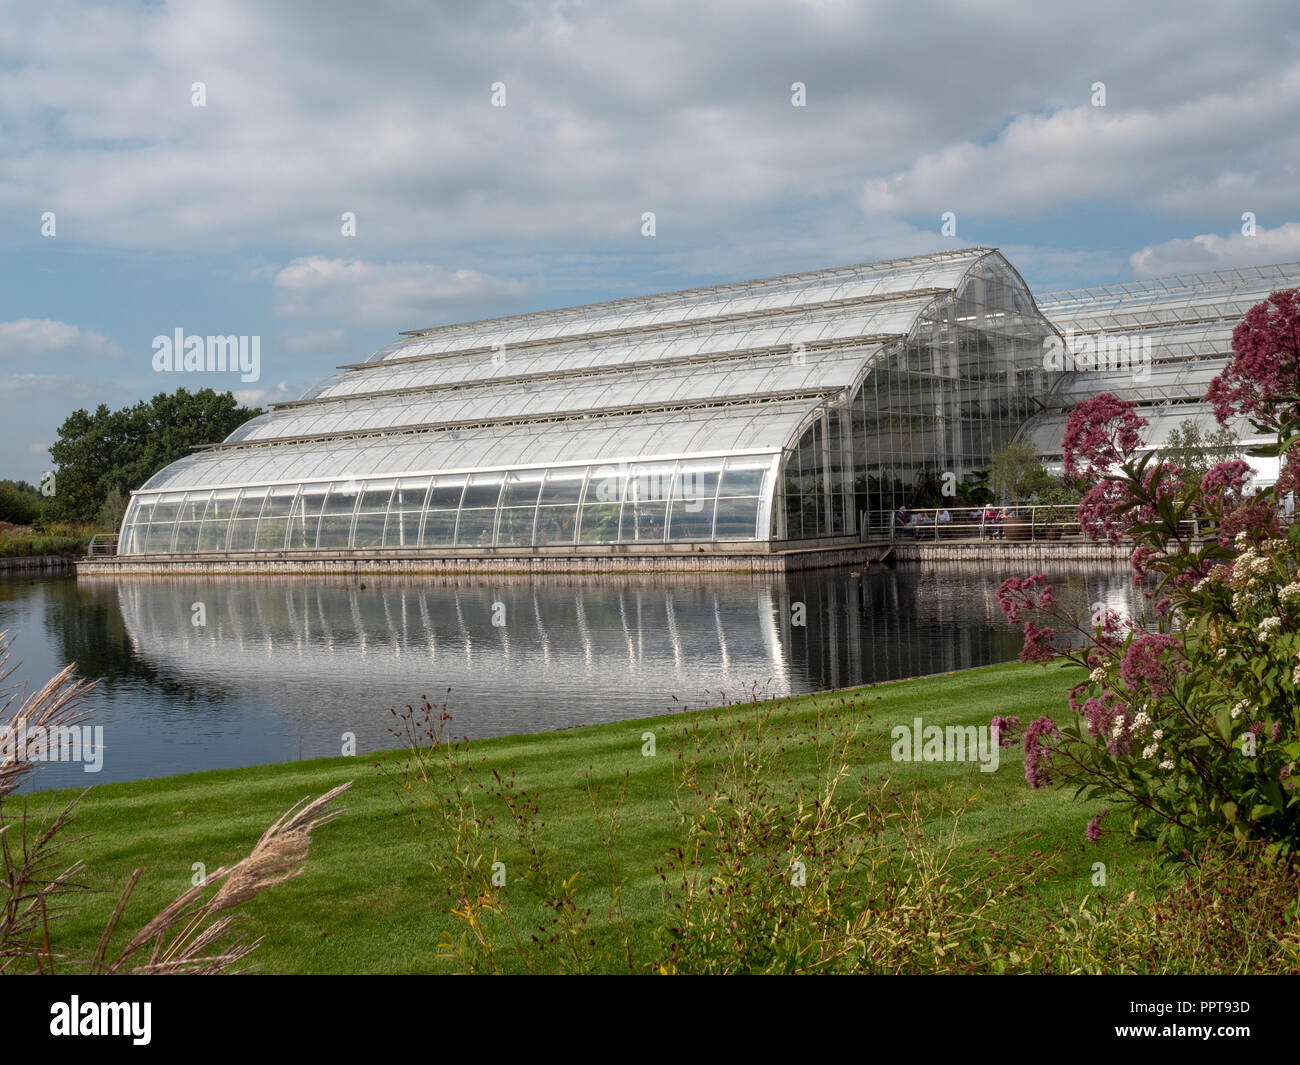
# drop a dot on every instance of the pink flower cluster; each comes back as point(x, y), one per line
point(1145, 662)
point(1100, 510)
point(1229, 477)
point(1257, 518)
point(1017, 595)
point(1038, 754)
point(1006, 727)
point(1141, 556)
point(1263, 377)
point(1038, 644)
point(1099, 434)
point(1093, 831)
point(1100, 712)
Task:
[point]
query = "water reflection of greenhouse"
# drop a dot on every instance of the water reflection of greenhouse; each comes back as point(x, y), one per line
point(316, 646)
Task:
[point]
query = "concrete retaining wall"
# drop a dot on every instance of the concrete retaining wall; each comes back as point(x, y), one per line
point(761, 560)
point(1033, 551)
point(713, 562)
point(37, 563)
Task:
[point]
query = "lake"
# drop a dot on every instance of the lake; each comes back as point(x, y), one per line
point(281, 668)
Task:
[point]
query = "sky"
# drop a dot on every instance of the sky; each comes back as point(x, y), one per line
point(321, 176)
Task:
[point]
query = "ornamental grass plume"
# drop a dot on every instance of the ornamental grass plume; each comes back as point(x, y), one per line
point(191, 935)
point(183, 935)
point(36, 877)
point(59, 704)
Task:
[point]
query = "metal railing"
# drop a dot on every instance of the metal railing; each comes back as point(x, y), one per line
point(1010, 524)
point(102, 545)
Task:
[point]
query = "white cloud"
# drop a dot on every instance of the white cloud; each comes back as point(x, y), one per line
point(36, 337)
point(314, 342)
point(32, 383)
point(1235, 149)
point(1208, 251)
point(260, 397)
point(618, 109)
point(404, 295)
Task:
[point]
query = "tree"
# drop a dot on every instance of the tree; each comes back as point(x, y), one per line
point(1060, 491)
point(1015, 472)
point(20, 503)
point(1196, 452)
point(98, 453)
point(114, 509)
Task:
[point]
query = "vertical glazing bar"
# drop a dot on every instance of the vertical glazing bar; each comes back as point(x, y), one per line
point(424, 514)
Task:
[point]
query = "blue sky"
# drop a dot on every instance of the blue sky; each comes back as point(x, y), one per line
point(227, 218)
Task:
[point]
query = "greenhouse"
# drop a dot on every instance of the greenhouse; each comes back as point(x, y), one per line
point(784, 411)
point(1156, 343)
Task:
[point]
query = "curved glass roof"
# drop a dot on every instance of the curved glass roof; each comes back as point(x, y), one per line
point(817, 371)
point(750, 427)
point(939, 271)
point(572, 356)
point(1210, 285)
point(731, 367)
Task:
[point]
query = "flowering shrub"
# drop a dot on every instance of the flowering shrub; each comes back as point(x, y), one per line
point(1189, 723)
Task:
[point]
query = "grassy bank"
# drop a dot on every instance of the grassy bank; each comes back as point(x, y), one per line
point(369, 902)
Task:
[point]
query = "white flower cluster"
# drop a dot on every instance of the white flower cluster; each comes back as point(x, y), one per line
point(1205, 580)
point(1221, 653)
point(1156, 737)
point(1142, 722)
point(1268, 627)
point(1236, 710)
point(1252, 562)
point(1168, 763)
point(1098, 675)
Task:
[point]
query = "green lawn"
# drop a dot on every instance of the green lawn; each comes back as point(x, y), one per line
point(368, 901)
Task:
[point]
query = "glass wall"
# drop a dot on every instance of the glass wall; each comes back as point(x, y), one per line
point(959, 387)
point(704, 500)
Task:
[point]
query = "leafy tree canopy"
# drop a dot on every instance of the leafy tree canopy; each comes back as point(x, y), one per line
point(97, 454)
point(20, 502)
point(1196, 452)
point(1016, 473)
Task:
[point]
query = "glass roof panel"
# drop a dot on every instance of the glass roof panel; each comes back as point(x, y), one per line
point(941, 270)
point(701, 381)
point(759, 425)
